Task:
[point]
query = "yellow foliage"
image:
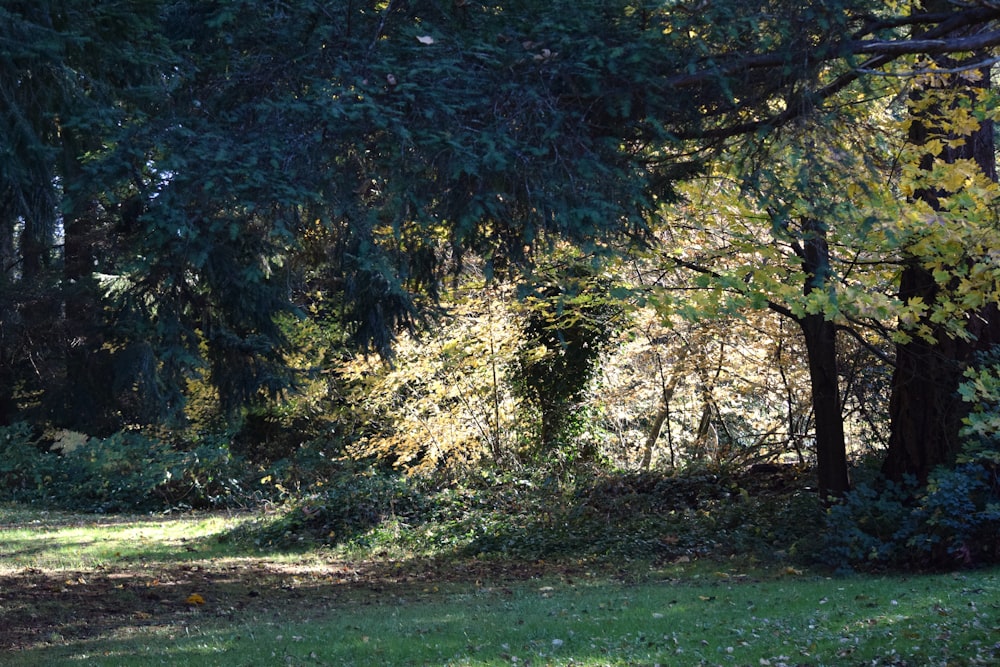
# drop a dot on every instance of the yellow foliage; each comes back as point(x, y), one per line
point(444, 403)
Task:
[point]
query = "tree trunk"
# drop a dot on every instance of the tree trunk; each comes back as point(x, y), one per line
point(661, 417)
point(924, 409)
point(831, 451)
point(820, 336)
point(9, 330)
point(654, 434)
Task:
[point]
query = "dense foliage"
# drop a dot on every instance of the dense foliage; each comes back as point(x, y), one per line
point(249, 249)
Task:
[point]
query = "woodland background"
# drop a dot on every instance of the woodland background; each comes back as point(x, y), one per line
point(259, 250)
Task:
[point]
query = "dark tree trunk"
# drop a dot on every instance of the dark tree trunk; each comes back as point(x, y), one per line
point(8, 328)
point(85, 388)
point(36, 241)
point(924, 409)
point(831, 452)
point(820, 336)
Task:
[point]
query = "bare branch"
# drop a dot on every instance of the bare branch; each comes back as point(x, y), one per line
point(936, 46)
point(872, 350)
point(981, 64)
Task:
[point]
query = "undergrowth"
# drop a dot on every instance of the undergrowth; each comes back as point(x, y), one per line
point(649, 516)
point(316, 498)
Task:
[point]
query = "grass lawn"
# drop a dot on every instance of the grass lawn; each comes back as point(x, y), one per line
point(86, 590)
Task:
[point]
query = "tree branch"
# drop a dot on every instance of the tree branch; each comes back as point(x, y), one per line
point(874, 351)
point(981, 64)
point(697, 268)
point(937, 40)
point(936, 46)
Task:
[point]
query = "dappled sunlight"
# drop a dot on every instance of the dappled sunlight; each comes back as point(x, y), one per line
point(64, 541)
point(509, 333)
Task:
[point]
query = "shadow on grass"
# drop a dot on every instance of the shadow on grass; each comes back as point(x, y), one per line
point(47, 611)
point(377, 616)
point(423, 611)
point(15, 516)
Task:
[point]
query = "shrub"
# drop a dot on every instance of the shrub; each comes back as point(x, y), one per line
point(24, 463)
point(870, 525)
point(954, 520)
point(127, 471)
point(344, 508)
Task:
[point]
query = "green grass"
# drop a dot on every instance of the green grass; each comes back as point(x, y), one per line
point(53, 540)
point(83, 581)
point(792, 620)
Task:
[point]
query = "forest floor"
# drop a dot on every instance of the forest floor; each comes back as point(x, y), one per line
point(68, 578)
point(197, 588)
point(44, 606)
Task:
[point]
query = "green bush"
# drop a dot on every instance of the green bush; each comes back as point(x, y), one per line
point(210, 476)
point(871, 525)
point(343, 508)
point(954, 520)
point(118, 473)
point(24, 465)
point(127, 471)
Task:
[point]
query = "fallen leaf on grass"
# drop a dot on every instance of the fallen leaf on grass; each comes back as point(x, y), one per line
point(195, 599)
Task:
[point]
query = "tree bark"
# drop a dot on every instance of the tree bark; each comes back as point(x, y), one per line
point(820, 336)
point(654, 434)
point(924, 409)
point(87, 385)
point(831, 451)
point(9, 333)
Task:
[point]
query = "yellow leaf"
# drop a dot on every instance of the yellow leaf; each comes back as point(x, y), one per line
point(934, 146)
point(195, 599)
point(952, 179)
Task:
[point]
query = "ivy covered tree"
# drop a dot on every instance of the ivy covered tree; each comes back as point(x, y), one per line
point(570, 316)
